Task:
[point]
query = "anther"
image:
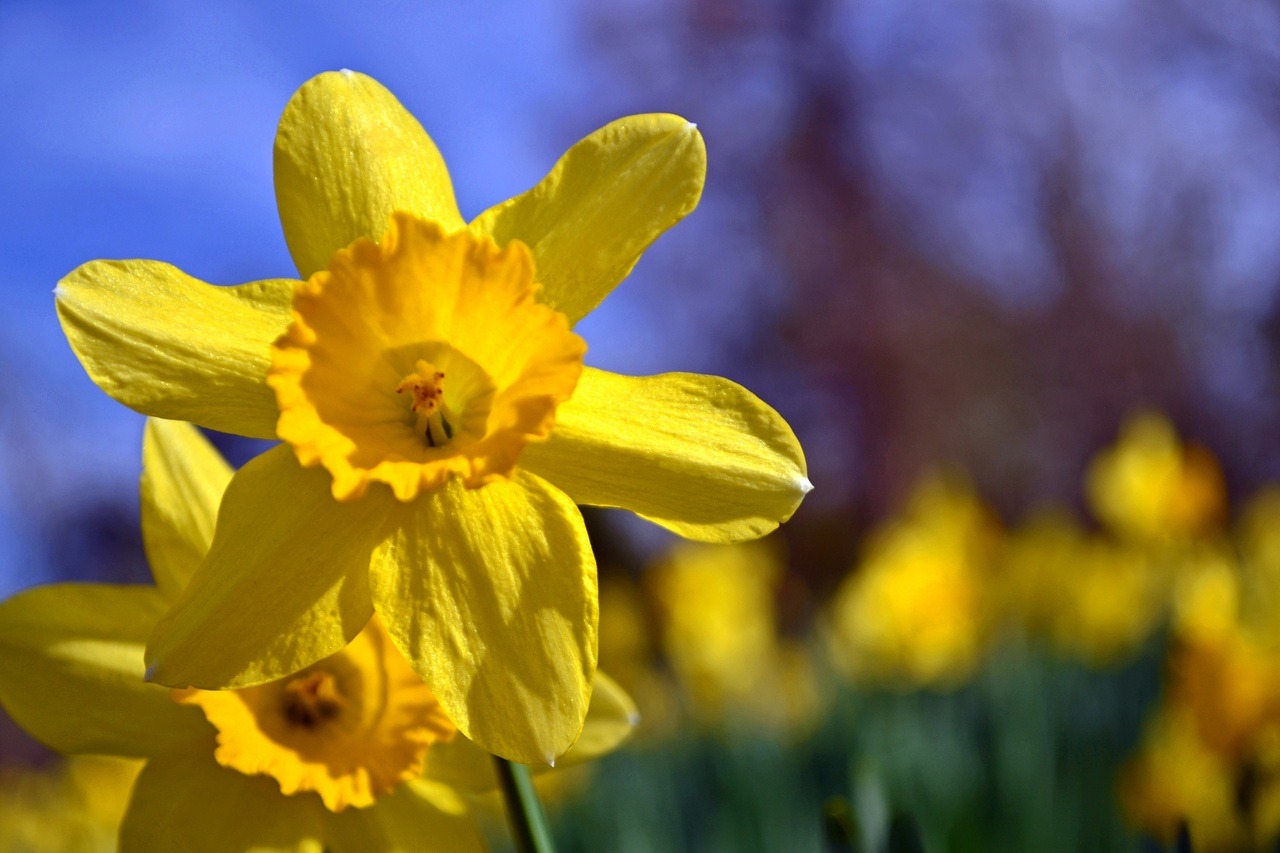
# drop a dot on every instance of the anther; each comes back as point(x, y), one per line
point(311, 700)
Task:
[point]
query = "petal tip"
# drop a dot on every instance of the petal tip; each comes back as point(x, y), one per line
point(551, 761)
point(806, 486)
point(633, 718)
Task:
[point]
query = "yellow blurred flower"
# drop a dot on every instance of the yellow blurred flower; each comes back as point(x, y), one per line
point(920, 607)
point(1211, 756)
point(1221, 667)
point(438, 423)
point(353, 753)
point(717, 610)
point(74, 806)
point(1177, 778)
point(1092, 598)
point(1151, 487)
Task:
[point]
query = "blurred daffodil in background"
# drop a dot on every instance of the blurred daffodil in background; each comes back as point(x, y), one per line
point(438, 423)
point(1152, 487)
point(717, 614)
point(73, 806)
point(1211, 756)
point(917, 609)
point(1089, 596)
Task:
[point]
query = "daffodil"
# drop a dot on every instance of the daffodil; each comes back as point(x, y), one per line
point(718, 613)
point(1150, 486)
point(353, 753)
point(1093, 598)
point(917, 610)
point(438, 423)
point(73, 806)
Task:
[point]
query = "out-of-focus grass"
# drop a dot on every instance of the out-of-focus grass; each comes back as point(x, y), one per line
point(1022, 758)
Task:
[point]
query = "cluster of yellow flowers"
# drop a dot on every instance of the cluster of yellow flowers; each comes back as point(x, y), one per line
point(1211, 756)
point(342, 632)
point(937, 587)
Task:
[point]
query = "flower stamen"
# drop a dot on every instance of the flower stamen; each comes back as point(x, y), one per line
point(312, 700)
point(426, 385)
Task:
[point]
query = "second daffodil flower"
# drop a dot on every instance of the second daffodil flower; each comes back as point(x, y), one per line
point(351, 754)
point(438, 424)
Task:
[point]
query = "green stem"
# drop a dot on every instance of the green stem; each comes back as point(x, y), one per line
point(524, 812)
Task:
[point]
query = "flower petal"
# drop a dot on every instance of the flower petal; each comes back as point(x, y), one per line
point(611, 717)
point(186, 801)
point(607, 199)
point(699, 455)
point(347, 155)
point(183, 478)
point(610, 720)
point(71, 671)
point(172, 346)
point(417, 816)
point(284, 585)
point(491, 595)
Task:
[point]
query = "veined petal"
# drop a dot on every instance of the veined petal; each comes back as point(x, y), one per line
point(611, 717)
point(607, 199)
point(347, 155)
point(284, 585)
point(71, 671)
point(491, 595)
point(186, 801)
point(417, 816)
point(183, 478)
point(699, 455)
point(172, 346)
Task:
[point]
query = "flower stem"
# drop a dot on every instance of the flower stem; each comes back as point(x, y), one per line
point(524, 812)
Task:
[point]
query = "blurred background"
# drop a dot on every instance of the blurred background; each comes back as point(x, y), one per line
point(964, 248)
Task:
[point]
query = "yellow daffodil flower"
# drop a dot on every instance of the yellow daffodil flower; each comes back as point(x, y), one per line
point(1151, 487)
point(1091, 597)
point(353, 753)
point(918, 610)
point(717, 608)
point(1211, 754)
point(74, 806)
point(1176, 778)
point(439, 426)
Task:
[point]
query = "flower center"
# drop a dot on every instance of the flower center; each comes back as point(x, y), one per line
point(312, 700)
point(426, 393)
point(385, 325)
point(350, 728)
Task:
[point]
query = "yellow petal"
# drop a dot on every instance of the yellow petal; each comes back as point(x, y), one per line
point(699, 455)
point(347, 155)
point(417, 816)
point(183, 478)
point(610, 720)
point(611, 717)
point(71, 671)
point(284, 585)
point(607, 199)
point(491, 595)
point(172, 346)
point(185, 801)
